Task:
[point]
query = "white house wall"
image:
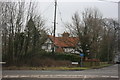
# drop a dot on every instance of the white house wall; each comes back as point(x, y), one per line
point(48, 41)
point(48, 45)
point(70, 50)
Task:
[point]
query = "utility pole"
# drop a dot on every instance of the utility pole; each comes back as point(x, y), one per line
point(53, 50)
point(118, 33)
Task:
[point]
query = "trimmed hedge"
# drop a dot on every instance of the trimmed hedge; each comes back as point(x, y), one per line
point(43, 58)
point(59, 56)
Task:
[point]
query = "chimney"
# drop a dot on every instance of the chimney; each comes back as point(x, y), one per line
point(65, 34)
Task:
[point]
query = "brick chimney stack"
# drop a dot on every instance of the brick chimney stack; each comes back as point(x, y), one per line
point(65, 34)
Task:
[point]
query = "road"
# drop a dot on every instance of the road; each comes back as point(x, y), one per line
point(108, 73)
point(61, 79)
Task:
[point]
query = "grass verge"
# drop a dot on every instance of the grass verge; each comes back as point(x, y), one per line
point(55, 68)
point(44, 68)
point(101, 66)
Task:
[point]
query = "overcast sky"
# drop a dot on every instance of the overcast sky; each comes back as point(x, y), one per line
point(66, 8)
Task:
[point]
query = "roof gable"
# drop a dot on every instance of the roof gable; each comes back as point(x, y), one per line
point(65, 41)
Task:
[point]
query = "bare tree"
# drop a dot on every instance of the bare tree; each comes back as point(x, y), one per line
point(109, 40)
point(88, 31)
point(97, 36)
point(19, 20)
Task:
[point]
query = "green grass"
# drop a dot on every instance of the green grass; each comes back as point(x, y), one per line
point(44, 68)
point(55, 68)
point(101, 66)
point(68, 68)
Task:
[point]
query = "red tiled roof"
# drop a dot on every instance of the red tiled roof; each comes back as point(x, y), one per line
point(65, 41)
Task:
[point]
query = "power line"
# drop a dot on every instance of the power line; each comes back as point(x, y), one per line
point(51, 4)
point(60, 15)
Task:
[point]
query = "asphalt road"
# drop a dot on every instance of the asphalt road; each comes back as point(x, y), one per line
point(107, 73)
point(61, 79)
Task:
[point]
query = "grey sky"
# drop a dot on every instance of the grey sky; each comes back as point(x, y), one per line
point(67, 9)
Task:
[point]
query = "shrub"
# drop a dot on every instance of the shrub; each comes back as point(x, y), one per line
point(60, 56)
point(43, 58)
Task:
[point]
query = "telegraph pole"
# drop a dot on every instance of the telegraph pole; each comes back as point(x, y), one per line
point(119, 28)
point(53, 50)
